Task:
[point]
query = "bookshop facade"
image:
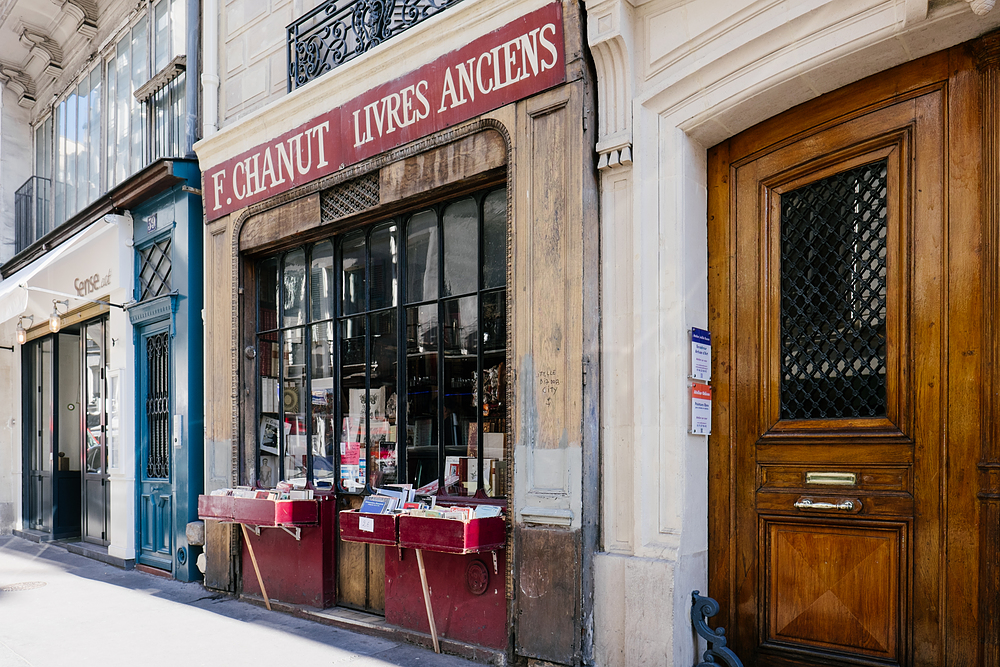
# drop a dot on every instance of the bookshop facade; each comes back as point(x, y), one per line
point(401, 299)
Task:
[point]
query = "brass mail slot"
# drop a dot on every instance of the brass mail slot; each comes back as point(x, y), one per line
point(832, 478)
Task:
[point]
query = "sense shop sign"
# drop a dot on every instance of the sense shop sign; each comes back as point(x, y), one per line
point(520, 59)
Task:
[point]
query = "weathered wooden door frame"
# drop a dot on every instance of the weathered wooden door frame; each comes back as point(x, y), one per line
point(968, 594)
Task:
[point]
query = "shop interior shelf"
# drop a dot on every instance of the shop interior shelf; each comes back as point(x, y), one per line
point(259, 511)
point(452, 535)
point(369, 528)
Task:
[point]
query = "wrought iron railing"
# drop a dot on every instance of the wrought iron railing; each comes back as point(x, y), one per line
point(32, 217)
point(340, 30)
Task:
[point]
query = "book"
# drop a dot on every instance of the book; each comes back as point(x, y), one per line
point(377, 505)
point(269, 435)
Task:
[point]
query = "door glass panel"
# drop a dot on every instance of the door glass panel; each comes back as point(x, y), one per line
point(383, 397)
point(461, 331)
point(461, 247)
point(293, 401)
point(353, 427)
point(323, 402)
point(422, 394)
point(833, 296)
point(158, 405)
point(43, 453)
point(94, 421)
point(494, 392)
point(422, 257)
point(68, 404)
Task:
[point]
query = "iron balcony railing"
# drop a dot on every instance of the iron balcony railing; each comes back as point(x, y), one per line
point(32, 218)
point(339, 30)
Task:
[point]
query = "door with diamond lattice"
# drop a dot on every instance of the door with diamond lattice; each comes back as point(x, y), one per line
point(844, 287)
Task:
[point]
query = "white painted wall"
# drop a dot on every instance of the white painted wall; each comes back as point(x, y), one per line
point(675, 78)
point(15, 163)
point(10, 431)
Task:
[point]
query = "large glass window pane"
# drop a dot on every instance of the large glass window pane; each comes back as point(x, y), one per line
point(82, 143)
point(461, 333)
point(294, 289)
point(422, 257)
point(178, 27)
point(422, 395)
point(267, 295)
point(495, 239)
point(382, 398)
point(94, 140)
point(60, 177)
point(71, 152)
point(461, 247)
point(321, 286)
point(161, 35)
point(353, 403)
point(323, 397)
point(384, 266)
point(294, 402)
point(352, 251)
point(123, 114)
point(140, 75)
point(109, 122)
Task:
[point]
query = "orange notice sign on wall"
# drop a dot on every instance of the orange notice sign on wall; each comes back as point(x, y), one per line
point(701, 409)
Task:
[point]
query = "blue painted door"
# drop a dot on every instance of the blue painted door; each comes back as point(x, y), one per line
point(156, 491)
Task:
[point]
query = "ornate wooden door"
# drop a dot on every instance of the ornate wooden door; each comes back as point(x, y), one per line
point(845, 290)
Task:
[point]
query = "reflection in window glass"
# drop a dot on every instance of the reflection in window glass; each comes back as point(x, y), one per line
point(422, 461)
point(321, 276)
point(293, 403)
point(293, 282)
point(422, 257)
point(353, 275)
point(461, 247)
point(323, 400)
point(384, 263)
point(353, 402)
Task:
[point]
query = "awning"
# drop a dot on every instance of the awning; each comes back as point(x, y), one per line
point(15, 297)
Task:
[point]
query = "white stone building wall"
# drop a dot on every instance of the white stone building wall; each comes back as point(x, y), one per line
point(674, 79)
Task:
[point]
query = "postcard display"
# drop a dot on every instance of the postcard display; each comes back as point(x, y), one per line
point(278, 530)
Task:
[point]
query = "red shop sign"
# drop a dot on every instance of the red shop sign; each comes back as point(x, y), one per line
point(524, 57)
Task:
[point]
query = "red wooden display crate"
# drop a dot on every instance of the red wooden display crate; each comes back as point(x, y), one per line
point(384, 530)
point(451, 535)
point(259, 511)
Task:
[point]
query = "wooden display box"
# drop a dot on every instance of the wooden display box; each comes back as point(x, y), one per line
point(384, 528)
point(452, 535)
point(259, 511)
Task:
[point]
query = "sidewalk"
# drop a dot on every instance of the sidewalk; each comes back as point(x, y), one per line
point(59, 608)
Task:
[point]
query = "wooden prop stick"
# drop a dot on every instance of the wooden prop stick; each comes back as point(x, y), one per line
point(253, 559)
point(427, 599)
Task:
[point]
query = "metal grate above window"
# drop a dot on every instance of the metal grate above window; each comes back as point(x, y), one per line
point(350, 197)
point(833, 296)
point(158, 405)
point(154, 269)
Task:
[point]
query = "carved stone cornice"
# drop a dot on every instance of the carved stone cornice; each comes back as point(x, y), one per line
point(41, 46)
point(609, 33)
point(18, 81)
point(83, 14)
point(981, 7)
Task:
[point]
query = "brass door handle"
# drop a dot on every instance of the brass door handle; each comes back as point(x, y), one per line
point(842, 506)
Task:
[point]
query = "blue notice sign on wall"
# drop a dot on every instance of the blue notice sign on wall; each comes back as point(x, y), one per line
point(701, 354)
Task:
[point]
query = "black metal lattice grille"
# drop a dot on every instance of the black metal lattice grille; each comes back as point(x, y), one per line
point(350, 197)
point(158, 405)
point(833, 296)
point(154, 269)
point(338, 31)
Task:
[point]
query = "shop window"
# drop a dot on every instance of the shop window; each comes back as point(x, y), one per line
point(382, 353)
